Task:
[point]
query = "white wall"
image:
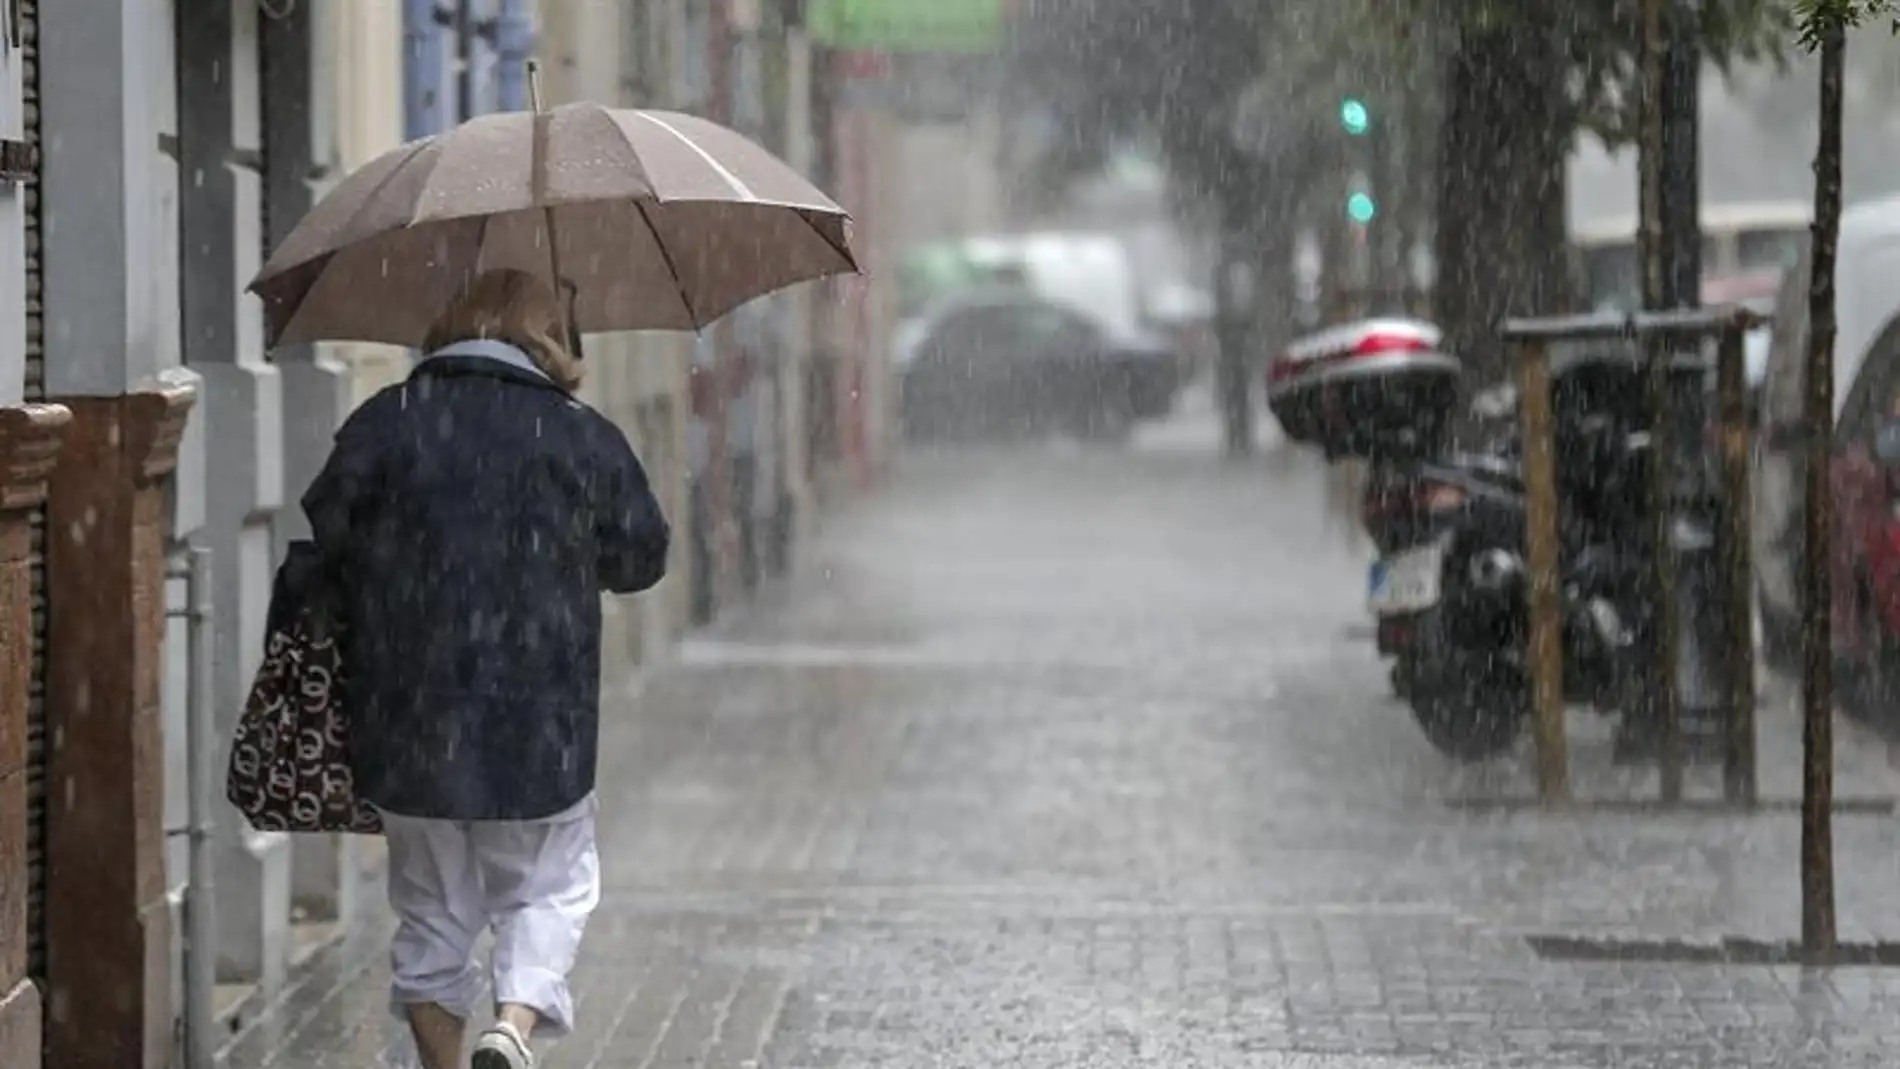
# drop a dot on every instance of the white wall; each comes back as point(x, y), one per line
point(951, 187)
point(109, 195)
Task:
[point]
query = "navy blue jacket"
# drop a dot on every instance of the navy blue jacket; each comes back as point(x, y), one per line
point(470, 518)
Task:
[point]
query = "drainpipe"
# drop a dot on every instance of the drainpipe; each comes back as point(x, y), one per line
point(421, 70)
point(723, 538)
point(466, 106)
point(798, 90)
point(800, 152)
point(201, 763)
point(856, 429)
point(514, 43)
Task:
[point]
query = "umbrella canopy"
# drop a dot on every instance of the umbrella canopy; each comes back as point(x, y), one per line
point(658, 220)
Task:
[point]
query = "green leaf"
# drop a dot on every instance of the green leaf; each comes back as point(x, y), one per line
point(1814, 19)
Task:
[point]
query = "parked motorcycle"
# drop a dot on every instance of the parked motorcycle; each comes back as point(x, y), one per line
point(1449, 588)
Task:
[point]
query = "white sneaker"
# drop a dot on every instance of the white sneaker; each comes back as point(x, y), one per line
point(501, 1047)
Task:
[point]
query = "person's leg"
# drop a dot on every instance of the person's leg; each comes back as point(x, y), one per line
point(438, 1034)
point(435, 893)
point(744, 482)
point(542, 880)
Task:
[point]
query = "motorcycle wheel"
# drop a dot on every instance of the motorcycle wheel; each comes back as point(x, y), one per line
point(1103, 421)
point(1469, 711)
point(1401, 681)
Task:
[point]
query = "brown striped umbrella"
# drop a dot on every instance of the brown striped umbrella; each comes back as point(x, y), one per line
point(656, 221)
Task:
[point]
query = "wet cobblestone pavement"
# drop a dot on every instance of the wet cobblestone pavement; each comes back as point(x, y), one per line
point(1070, 759)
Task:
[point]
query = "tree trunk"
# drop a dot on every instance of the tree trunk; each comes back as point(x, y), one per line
point(1651, 135)
point(1682, 165)
point(1662, 652)
point(1254, 286)
point(1817, 682)
point(1500, 233)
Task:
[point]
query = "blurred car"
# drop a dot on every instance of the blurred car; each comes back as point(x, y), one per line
point(1865, 470)
point(1004, 363)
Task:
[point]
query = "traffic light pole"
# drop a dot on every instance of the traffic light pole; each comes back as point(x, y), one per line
point(1392, 275)
point(1362, 272)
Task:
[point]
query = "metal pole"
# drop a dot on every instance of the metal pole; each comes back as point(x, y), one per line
point(538, 179)
point(1335, 281)
point(1541, 555)
point(1817, 675)
point(1389, 149)
point(200, 943)
point(1738, 758)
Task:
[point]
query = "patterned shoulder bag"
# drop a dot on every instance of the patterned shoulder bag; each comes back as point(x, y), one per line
point(290, 753)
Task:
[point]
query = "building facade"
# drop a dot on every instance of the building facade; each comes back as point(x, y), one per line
point(93, 314)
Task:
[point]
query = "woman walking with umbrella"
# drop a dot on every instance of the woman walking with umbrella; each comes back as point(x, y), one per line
point(474, 514)
point(470, 516)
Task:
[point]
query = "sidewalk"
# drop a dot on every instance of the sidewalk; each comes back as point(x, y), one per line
point(1073, 760)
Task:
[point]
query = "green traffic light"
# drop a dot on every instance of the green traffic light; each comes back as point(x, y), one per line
point(1360, 208)
point(1354, 116)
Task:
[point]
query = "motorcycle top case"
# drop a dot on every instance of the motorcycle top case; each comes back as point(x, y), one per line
point(1374, 388)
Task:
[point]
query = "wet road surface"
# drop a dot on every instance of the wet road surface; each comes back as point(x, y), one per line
point(1074, 758)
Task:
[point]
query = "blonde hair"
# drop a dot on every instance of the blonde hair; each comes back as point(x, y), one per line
point(510, 306)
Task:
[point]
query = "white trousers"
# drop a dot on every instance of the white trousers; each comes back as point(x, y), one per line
point(533, 883)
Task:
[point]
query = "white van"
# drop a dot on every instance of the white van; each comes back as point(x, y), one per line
point(1866, 376)
point(1736, 239)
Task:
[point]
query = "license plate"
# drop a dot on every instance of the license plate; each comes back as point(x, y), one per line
point(1408, 582)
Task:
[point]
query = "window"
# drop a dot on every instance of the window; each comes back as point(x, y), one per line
point(1051, 329)
point(1612, 276)
point(1874, 398)
point(1009, 332)
point(968, 338)
point(1782, 389)
point(1761, 249)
